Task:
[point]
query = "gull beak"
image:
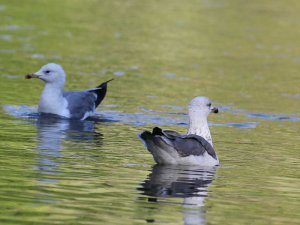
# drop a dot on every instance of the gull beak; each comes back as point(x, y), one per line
point(31, 75)
point(214, 110)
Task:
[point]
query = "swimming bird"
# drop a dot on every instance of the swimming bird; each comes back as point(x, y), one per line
point(69, 104)
point(193, 148)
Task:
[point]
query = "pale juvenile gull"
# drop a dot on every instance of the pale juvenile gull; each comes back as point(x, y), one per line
point(193, 148)
point(70, 104)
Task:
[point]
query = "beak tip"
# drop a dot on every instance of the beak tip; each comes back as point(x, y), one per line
point(215, 110)
point(31, 75)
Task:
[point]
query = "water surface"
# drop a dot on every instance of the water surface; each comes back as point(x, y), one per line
point(243, 55)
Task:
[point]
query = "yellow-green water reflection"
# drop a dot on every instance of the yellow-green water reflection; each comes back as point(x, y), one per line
point(244, 55)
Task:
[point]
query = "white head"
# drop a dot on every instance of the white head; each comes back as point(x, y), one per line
point(201, 107)
point(50, 73)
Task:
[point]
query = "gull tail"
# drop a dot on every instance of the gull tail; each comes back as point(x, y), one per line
point(100, 91)
point(148, 140)
point(155, 144)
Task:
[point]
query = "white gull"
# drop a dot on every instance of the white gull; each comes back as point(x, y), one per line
point(194, 148)
point(69, 104)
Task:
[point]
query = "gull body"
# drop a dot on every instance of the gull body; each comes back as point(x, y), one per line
point(193, 148)
point(69, 104)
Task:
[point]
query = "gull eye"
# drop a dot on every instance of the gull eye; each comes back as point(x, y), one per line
point(47, 71)
point(209, 104)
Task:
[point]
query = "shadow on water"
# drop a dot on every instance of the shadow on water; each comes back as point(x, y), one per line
point(190, 183)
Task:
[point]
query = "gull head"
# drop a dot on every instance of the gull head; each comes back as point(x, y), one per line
point(50, 73)
point(201, 107)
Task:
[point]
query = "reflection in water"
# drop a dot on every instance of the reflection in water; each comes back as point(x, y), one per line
point(52, 130)
point(187, 182)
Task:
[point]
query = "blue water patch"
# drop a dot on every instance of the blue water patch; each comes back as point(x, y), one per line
point(265, 116)
point(145, 117)
point(22, 111)
point(273, 117)
point(238, 125)
point(154, 118)
point(139, 118)
point(48, 181)
point(119, 73)
point(148, 116)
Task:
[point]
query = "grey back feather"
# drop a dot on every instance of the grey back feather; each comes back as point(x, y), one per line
point(80, 102)
point(187, 145)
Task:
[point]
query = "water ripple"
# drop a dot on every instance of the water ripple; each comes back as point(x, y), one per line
point(151, 117)
point(273, 117)
point(265, 116)
point(146, 117)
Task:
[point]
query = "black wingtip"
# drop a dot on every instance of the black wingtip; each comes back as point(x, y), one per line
point(109, 80)
point(101, 92)
point(104, 83)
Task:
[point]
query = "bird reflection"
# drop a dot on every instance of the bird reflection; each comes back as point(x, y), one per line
point(52, 130)
point(187, 182)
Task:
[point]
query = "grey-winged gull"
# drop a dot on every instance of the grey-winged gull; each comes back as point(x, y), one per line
point(193, 148)
point(70, 104)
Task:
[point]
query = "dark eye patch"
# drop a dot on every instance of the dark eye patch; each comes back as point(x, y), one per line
point(209, 104)
point(47, 71)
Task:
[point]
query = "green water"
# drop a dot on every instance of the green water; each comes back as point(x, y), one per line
point(244, 55)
